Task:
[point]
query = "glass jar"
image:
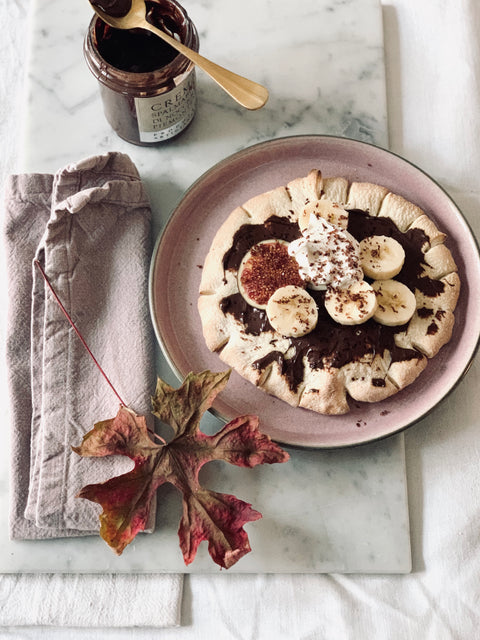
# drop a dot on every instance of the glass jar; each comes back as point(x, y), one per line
point(148, 90)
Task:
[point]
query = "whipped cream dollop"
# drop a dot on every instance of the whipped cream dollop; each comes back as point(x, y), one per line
point(327, 255)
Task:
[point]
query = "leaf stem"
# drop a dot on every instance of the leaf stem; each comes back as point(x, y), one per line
point(157, 436)
point(82, 339)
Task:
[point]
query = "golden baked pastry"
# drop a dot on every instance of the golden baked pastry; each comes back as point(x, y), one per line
point(324, 290)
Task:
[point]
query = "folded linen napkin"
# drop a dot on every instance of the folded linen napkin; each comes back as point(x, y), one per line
point(89, 227)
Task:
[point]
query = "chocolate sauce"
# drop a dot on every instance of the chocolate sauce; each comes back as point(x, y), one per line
point(335, 345)
point(250, 234)
point(361, 225)
point(139, 50)
point(254, 320)
point(424, 313)
point(114, 8)
point(330, 344)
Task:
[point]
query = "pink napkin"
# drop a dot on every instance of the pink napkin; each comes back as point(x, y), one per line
point(89, 227)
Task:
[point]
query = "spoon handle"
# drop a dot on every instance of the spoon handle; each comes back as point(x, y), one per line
point(246, 92)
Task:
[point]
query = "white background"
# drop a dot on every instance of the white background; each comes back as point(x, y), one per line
point(433, 62)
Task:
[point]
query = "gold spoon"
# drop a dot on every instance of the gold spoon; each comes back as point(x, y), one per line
point(246, 92)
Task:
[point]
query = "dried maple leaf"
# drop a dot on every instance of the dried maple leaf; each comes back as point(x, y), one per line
point(207, 515)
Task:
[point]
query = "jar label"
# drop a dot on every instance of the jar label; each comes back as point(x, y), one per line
point(164, 116)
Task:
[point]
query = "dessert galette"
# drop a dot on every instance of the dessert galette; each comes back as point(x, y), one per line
point(323, 290)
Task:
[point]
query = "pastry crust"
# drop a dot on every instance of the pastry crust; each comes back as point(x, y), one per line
point(401, 211)
point(366, 196)
point(261, 355)
point(335, 189)
point(325, 391)
point(434, 236)
point(273, 203)
point(303, 190)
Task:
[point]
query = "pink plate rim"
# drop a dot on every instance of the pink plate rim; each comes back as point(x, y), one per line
point(182, 245)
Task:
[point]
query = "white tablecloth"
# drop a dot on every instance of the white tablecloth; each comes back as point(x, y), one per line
point(433, 65)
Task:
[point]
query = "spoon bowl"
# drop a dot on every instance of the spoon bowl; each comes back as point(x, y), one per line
point(249, 94)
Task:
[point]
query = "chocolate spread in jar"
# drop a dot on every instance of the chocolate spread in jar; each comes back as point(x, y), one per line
point(330, 344)
point(148, 89)
point(114, 8)
point(139, 50)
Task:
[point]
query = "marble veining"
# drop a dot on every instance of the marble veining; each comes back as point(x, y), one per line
point(322, 60)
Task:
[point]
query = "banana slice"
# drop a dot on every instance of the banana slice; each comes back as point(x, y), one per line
point(292, 311)
point(381, 257)
point(396, 303)
point(354, 305)
point(330, 211)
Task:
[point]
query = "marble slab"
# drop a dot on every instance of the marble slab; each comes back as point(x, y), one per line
point(322, 60)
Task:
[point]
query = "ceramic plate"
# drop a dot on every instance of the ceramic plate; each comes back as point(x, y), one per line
point(181, 249)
